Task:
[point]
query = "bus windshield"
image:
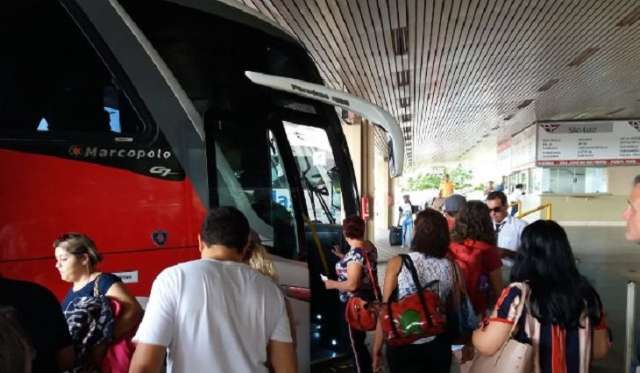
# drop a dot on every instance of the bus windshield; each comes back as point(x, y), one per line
point(239, 120)
point(318, 172)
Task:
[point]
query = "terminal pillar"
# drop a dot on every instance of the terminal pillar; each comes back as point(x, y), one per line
point(367, 169)
point(372, 177)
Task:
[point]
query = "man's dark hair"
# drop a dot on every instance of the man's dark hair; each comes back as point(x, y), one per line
point(636, 180)
point(225, 226)
point(431, 234)
point(497, 195)
point(474, 223)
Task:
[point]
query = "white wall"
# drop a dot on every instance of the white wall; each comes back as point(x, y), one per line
point(621, 178)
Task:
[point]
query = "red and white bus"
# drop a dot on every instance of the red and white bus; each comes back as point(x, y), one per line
point(128, 119)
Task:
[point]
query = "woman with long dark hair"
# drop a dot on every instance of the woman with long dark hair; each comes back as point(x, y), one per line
point(566, 318)
point(474, 249)
point(429, 257)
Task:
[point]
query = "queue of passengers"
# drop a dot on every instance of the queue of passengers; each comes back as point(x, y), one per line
point(547, 319)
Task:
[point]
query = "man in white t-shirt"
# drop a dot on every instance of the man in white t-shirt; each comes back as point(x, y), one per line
point(508, 228)
point(215, 314)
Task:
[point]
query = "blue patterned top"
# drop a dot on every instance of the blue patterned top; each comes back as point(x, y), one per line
point(105, 280)
point(356, 255)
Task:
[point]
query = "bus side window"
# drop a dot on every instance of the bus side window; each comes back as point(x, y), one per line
point(53, 81)
point(76, 102)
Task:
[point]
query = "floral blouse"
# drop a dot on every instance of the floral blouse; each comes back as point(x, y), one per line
point(356, 254)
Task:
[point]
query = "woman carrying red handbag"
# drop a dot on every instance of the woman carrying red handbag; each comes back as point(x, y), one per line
point(428, 266)
point(357, 274)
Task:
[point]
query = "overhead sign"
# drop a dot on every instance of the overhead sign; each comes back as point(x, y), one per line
point(523, 149)
point(601, 143)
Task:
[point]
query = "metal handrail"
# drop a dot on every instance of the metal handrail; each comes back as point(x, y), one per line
point(316, 241)
point(544, 206)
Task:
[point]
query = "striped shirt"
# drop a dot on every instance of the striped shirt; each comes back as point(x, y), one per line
point(556, 350)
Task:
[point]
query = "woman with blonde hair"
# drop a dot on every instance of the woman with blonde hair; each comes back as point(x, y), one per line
point(258, 258)
point(91, 322)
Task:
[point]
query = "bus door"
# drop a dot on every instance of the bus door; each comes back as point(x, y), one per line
point(326, 173)
point(322, 181)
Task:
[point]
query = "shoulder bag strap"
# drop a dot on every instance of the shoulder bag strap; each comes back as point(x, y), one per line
point(416, 281)
point(96, 286)
point(458, 286)
point(406, 260)
point(524, 289)
point(372, 279)
point(528, 322)
point(388, 304)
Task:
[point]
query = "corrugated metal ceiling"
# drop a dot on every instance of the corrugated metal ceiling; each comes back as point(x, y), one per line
point(459, 72)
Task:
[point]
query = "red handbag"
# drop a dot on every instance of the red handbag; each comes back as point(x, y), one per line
point(362, 314)
point(415, 316)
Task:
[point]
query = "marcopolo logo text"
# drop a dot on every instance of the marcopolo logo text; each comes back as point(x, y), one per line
point(95, 152)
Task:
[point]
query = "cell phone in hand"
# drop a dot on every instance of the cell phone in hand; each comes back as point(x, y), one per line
point(323, 277)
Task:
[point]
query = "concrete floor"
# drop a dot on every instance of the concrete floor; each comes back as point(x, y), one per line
point(605, 258)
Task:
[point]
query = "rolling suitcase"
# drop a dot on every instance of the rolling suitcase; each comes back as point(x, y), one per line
point(395, 236)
